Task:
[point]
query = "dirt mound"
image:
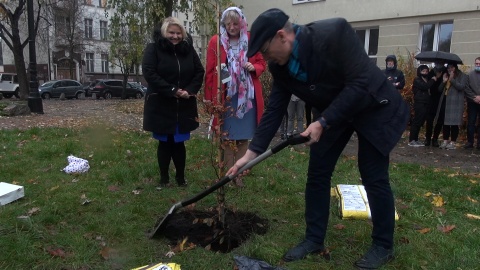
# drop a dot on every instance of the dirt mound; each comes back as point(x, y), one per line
point(202, 228)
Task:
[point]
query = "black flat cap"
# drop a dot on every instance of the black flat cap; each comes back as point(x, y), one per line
point(264, 28)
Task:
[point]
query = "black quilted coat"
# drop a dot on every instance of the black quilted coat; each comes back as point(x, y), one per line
point(167, 68)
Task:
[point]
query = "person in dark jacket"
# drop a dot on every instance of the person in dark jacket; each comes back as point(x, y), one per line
point(324, 64)
point(421, 101)
point(472, 93)
point(433, 132)
point(394, 75)
point(174, 75)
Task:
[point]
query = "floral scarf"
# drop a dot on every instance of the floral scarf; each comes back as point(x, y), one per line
point(241, 82)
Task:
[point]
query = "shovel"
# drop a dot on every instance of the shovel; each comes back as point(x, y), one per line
point(293, 140)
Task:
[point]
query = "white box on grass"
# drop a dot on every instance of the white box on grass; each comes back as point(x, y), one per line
point(10, 193)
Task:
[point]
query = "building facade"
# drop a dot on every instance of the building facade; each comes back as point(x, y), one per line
point(84, 57)
point(392, 27)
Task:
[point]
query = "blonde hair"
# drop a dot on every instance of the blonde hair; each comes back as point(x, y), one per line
point(167, 22)
point(231, 16)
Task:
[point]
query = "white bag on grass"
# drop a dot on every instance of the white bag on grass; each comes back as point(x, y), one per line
point(76, 165)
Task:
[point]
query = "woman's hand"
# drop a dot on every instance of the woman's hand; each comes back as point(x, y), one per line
point(182, 94)
point(445, 77)
point(249, 67)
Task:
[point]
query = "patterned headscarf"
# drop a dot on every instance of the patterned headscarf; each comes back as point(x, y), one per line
point(241, 80)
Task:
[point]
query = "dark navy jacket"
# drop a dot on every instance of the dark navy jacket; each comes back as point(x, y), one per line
point(342, 84)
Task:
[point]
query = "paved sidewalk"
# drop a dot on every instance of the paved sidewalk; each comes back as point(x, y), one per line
point(127, 114)
point(460, 159)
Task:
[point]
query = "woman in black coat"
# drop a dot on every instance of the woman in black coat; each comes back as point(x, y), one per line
point(422, 88)
point(174, 75)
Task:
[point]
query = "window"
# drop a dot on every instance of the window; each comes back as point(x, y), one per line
point(87, 2)
point(436, 36)
point(62, 25)
point(89, 62)
point(102, 3)
point(369, 39)
point(104, 63)
point(190, 28)
point(303, 1)
point(103, 30)
point(88, 28)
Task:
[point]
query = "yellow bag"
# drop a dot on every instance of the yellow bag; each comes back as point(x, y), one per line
point(159, 266)
point(353, 202)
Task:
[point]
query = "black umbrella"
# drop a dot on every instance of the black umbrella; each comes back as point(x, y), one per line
point(433, 56)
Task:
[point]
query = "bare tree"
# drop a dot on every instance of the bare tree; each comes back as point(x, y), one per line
point(13, 17)
point(67, 17)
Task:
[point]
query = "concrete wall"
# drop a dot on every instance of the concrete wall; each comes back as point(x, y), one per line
point(398, 21)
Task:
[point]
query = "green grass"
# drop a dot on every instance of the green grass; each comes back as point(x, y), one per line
point(115, 222)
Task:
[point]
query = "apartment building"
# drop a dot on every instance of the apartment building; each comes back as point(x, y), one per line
point(392, 27)
point(90, 58)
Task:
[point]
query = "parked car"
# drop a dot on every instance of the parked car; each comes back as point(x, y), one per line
point(9, 85)
point(113, 88)
point(53, 89)
point(88, 86)
point(139, 86)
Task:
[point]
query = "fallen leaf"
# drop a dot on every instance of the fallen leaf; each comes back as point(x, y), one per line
point(446, 228)
point(404, 240)
point(170, 254)
point(428, 194)
point(136, 191)
point(437, 201)
point(56, 252)
point(339, 226)
point(473, 181)
point(106, 252)
point(472, 200)
point(471, 216)
point(424, 230)
point(54, 188)
point(33, 211)
point(113, 188)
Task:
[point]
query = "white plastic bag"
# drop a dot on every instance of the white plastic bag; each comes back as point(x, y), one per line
point(76, 165)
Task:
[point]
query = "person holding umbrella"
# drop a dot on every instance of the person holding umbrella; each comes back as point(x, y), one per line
point(432, 127)
point(324, 64)
point(453, 88)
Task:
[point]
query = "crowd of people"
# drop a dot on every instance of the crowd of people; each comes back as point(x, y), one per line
point(320, 68)
point(439, 96)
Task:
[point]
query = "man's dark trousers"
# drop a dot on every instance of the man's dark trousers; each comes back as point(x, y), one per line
point(373, 168)
point(473, 112)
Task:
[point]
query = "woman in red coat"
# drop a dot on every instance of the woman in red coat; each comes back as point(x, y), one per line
point(242, 90)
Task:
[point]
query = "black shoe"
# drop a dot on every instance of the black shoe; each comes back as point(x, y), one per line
point(468, 146)
point(302, 250)
point(163, 185)
point(182, 183)
point(435, 143)
point(375, 257)
point(427, 143)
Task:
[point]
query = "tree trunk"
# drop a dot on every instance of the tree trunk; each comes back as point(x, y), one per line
point(19, 61)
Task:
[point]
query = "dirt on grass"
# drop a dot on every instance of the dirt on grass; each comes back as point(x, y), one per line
point(203, 228)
